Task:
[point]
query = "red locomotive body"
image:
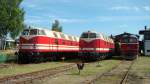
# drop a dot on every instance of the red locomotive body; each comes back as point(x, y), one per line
point(129, 46)
point(37, 43)
point(95, 45)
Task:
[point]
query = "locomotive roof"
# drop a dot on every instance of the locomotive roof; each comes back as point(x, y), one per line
point(57, 34)
point(127, 36)
point(117, 37)
point(89, 31)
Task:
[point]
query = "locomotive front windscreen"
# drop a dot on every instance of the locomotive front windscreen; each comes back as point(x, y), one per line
point(33, 32)
point(129, 40)
point(88, 35)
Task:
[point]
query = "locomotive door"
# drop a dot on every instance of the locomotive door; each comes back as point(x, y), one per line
point(55, 45)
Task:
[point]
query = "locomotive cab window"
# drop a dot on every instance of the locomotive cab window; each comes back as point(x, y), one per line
point(84, 35)
point(25, 32)
point(41, 32)
point(88, 35)
point(125, 40)
point(30, 32)
point(33, 32)
point(133, 40)
point(129, 40)
point(92, 35)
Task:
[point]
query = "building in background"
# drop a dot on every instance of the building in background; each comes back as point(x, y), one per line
point(146, 40)
point(2, 42)
point(7, 44)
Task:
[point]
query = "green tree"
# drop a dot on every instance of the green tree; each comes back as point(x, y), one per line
point(56, 26)
point(11, 18)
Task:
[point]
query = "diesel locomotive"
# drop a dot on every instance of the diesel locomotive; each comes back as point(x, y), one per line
point(95, 46)
point(40, 43)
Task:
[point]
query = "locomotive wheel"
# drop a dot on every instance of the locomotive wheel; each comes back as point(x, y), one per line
point(20, 59)
point(26, 59)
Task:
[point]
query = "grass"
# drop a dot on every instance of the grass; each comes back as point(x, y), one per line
point(141, 66)
point(20, 69)
point(89, 72)
point(7, 56)
point(92, 69)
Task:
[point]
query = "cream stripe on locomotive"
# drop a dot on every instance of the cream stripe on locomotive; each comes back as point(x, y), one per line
point(47, 46)
point(129, 43)
point(94, 49)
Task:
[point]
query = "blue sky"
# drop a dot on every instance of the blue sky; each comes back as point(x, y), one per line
point(107, 16)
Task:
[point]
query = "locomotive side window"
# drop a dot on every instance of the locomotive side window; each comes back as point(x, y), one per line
point(70, 38)
point(75, 39)
point(62, 36)
point(55, 35)
point(56, 41)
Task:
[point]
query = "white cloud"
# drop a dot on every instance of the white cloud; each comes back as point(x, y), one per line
point(66, 20)
point(36, 20)
point(127, 8)
point(123, 18)
point(147, 8)
point(120, 8)
point(31, 5)
point(136, 8)
point(123, 25)
point(130, 8)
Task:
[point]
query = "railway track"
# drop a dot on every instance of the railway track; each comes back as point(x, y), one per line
point(124, 79)
point(4, 65)
point(115, 71)
point(30, 77)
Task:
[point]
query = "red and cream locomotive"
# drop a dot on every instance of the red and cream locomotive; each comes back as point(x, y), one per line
point(129, 46)
point(39, 43)
point(95, 46)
